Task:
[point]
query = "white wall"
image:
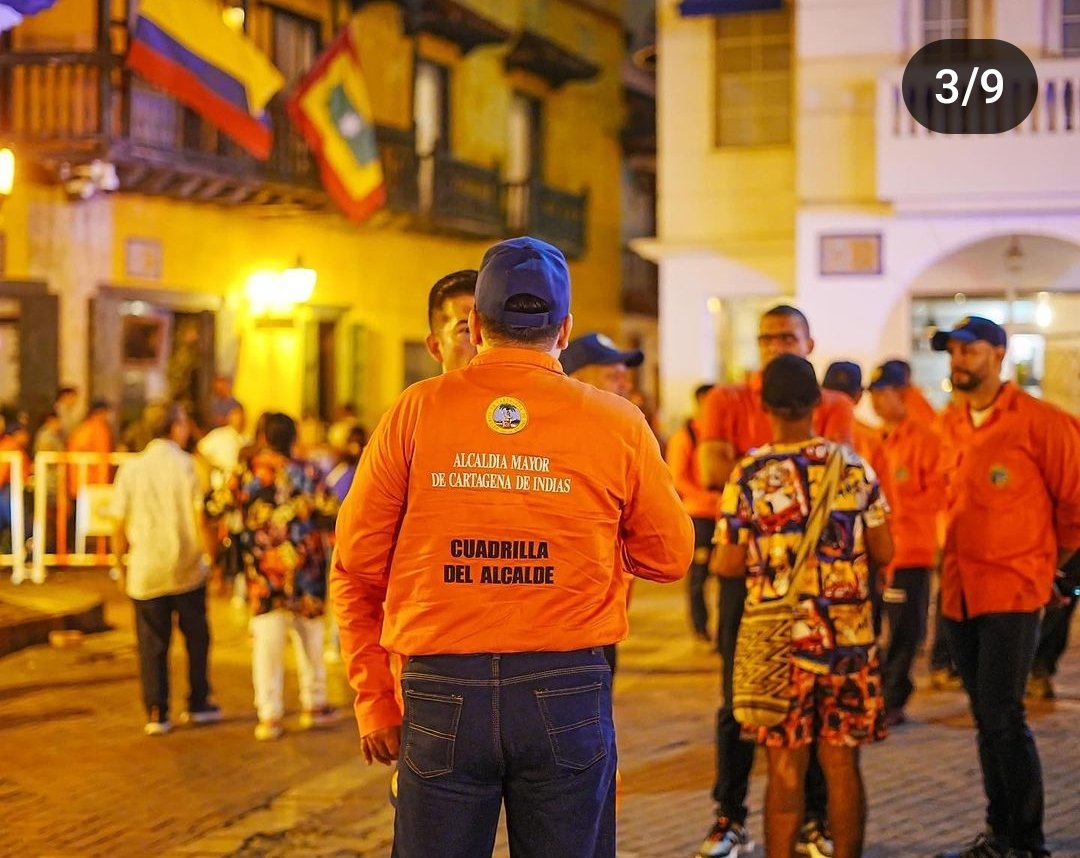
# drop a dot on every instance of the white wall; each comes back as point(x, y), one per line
point(688, 330)
point(868, 319)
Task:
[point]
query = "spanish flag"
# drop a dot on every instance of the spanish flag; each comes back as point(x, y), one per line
point(185, 48)
point(332, 110)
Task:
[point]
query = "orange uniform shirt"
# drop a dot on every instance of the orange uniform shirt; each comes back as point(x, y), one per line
point(7, 445)
point(918, 406)
point(681, 455)
point(486, 516)
point(867, 442)
point(911, 471)
point(90, 436)
point(1013, 497)
point(734, 413)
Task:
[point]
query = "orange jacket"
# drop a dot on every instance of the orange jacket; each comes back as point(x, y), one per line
point(734, 413)
point(91, 436)
point(911, 472)
point(866, 440)
point(9, 445)
point(485, 521)
point(918, 406)
point(1013, 497)
point(681, 455)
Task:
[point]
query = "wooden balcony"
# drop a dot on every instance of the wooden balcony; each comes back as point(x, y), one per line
point(554, 215)
point(459, 197)
point(68, 110)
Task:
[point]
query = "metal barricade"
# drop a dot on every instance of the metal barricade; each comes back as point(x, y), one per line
point(72, 492)
point(14, 459)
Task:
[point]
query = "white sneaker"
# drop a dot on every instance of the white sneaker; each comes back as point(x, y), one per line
point(158, 724)
point(268, 731)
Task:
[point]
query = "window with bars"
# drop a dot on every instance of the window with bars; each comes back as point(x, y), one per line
point(945, 19)
point(753, 79)
point(1070, 28)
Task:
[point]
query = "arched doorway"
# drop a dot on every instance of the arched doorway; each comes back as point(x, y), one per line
point(1028, 283)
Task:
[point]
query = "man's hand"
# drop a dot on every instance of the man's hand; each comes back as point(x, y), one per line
point(381, 745)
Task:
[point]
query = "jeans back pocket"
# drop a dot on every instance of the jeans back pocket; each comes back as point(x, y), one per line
point(431, 723)
point(572, 718)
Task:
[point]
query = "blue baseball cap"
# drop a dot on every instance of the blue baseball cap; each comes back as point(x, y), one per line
point(892, 373)
point(597, 350)
point(845, 376)
point(523, 266)
point(968, 330)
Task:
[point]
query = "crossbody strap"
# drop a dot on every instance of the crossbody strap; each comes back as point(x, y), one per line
point(817, 519)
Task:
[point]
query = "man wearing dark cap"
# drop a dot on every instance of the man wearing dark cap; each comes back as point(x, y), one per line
point(480, 545)
point(1012, 519)
point(845, 376)
point(596, 360)
point(911, 470)
point(733, 422)
point(917, 405)
point(764, 532)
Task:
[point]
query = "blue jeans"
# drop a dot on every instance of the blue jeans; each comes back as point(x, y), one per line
point(531, 729)
point(993, 654)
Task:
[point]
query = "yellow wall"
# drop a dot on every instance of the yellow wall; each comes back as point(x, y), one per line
point(739, 202)
point(378, 273)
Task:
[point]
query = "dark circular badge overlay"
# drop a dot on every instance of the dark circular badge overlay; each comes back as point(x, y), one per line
point(970, 86)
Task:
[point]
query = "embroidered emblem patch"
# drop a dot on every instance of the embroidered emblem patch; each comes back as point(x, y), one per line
point(507, 415)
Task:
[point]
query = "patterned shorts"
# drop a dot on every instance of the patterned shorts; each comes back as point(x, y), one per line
point(845, 710)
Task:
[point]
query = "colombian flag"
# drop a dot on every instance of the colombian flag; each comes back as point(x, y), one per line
point(185, 47)
point(332, 110)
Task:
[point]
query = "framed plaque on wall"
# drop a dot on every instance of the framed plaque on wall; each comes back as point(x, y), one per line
point(858, 255)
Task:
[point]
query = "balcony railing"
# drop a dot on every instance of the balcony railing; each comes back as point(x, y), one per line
point(1035, 160)
point(75, 107)
point(66, 110)
point(554, 215)
point(460, 197)
point(57, 98)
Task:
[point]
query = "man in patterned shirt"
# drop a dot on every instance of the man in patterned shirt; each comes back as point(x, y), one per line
point(835, 696)
point(287, 512)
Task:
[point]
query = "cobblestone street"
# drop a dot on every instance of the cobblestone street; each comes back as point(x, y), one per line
point(79, 778)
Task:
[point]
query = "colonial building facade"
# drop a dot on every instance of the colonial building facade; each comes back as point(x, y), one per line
point(790, 169)
point(135, 231)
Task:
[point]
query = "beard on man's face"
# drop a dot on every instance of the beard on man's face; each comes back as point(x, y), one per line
point(965, 381)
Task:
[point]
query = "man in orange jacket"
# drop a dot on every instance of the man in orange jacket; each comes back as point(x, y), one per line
point(1012, 519)
point(701, 503)
point(911, 469)
point(479, 543)
point(734, 421)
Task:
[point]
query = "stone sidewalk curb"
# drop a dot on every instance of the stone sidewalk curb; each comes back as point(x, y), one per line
point(29, 612)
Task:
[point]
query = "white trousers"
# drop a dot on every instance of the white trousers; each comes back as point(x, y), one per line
point(268, 661)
